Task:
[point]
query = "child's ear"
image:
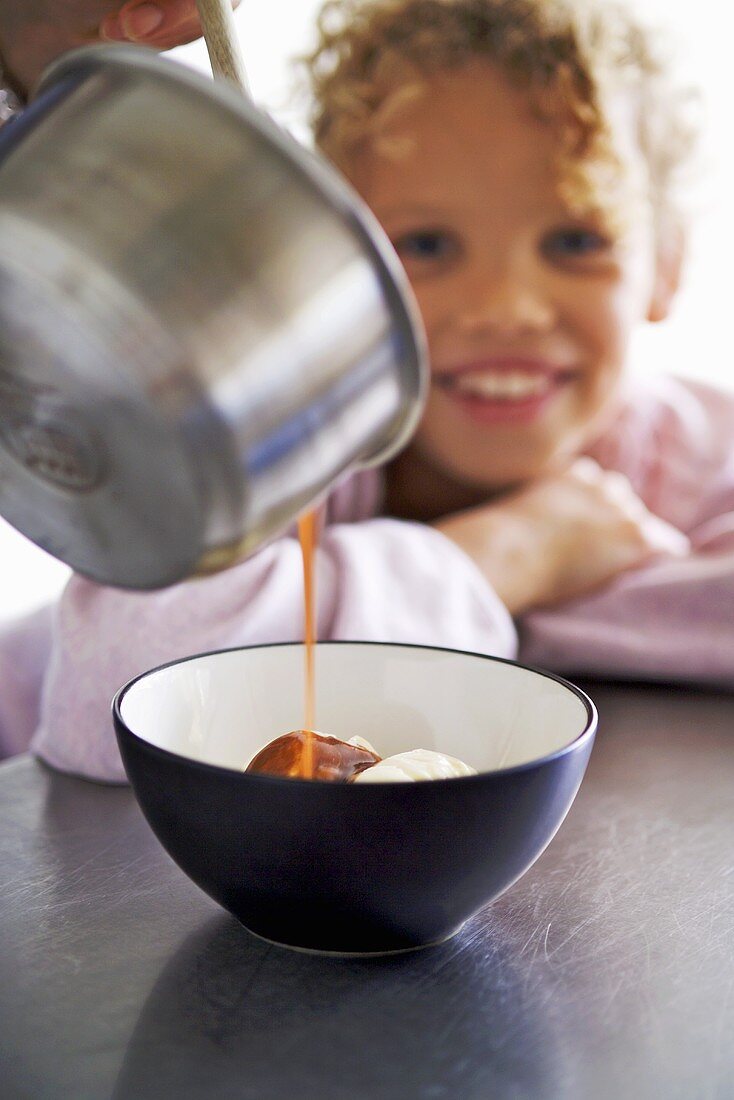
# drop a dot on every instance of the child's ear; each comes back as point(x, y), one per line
point(671, 252)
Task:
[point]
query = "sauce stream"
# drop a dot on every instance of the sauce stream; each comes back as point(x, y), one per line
point(308, 531)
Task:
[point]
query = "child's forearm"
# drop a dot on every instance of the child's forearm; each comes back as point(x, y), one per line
point(562, 537)
point(502, 546)
point(25, 646)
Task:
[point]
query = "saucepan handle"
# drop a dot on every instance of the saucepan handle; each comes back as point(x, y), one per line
point(220, 34)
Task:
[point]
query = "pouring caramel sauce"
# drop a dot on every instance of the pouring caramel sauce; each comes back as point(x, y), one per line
point(308, 754)
point(308, 538)
point(305, 753)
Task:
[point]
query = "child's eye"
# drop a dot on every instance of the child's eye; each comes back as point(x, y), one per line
point(425, 244)
point(575, 243)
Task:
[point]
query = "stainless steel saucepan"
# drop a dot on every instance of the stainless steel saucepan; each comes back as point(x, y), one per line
point(201, 326)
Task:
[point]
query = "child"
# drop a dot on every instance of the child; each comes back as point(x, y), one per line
point(523, 158)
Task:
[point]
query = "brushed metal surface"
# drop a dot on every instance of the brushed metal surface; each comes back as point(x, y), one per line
point(606, 972)
point(202, 327)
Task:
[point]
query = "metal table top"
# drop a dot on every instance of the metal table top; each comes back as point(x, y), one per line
point(606, 972)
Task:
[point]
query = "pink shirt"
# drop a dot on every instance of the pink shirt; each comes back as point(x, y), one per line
point(386, 580)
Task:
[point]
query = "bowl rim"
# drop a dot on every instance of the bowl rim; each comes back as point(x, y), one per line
point(587, 734)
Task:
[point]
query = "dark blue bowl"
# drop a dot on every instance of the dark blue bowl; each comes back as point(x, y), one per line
point(342, 867)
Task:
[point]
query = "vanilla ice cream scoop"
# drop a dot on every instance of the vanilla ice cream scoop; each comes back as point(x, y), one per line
point(413, 766)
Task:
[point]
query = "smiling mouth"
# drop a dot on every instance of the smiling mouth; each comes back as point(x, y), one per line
point(506, 388)
point(500, 385)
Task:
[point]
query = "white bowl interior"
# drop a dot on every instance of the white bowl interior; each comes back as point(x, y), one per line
point(223, 707)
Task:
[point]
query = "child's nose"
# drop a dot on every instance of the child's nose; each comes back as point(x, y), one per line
point(508, 306)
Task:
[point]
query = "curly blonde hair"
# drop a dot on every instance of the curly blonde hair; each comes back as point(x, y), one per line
point(568, 55)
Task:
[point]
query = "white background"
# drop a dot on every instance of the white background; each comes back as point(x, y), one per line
point(695, 341)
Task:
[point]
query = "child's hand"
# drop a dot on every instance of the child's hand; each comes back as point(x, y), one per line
point(562, 537)
point(34, 32)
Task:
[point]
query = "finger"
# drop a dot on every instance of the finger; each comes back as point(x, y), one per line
point(618, 485)
point(666, 539)
point(619, 490)
point(158, 23)
point(586, 469)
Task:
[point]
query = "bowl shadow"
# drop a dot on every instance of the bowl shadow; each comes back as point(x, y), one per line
point(233, 1016)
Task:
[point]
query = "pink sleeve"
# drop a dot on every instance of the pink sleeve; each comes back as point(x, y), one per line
point(380, 580)
point(674, 618)
point(25, 645)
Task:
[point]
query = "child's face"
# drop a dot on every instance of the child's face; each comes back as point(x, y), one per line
point(528, 309)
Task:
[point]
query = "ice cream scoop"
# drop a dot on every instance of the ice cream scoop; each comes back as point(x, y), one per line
point(415, 765)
